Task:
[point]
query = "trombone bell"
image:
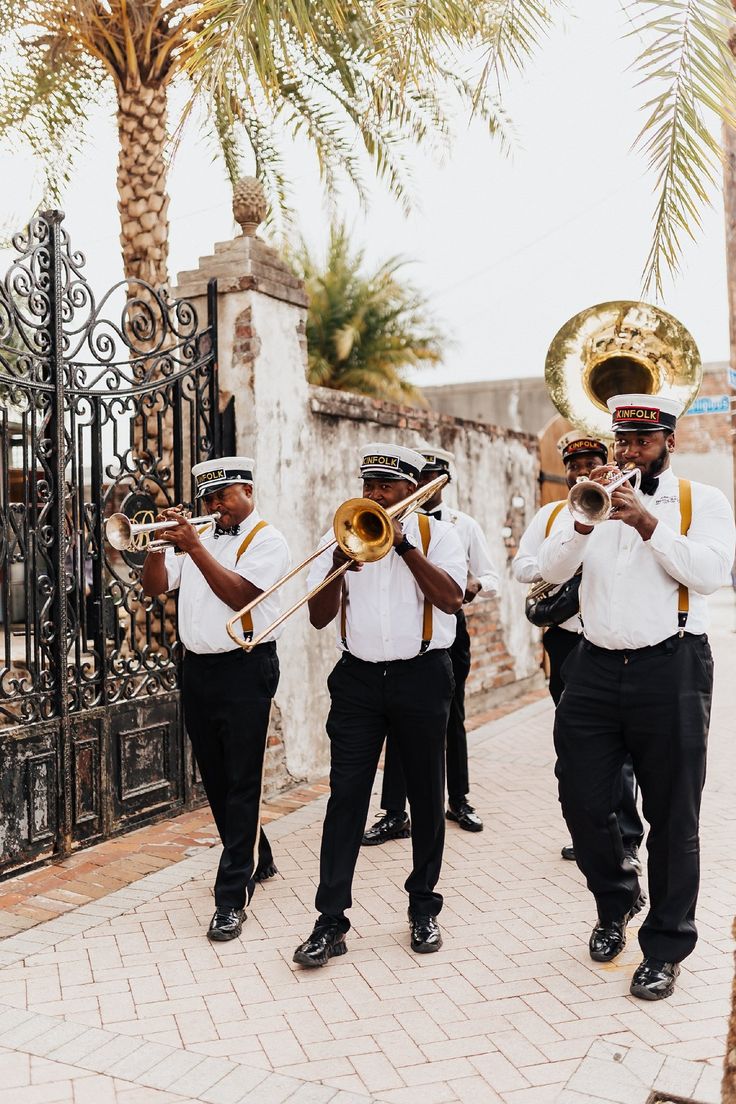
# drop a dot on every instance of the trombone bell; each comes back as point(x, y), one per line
point(362, 530)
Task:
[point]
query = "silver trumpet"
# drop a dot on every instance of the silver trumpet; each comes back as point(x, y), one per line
point(124, 535)
point(590, 502)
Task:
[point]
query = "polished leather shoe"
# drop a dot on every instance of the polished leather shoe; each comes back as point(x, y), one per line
point(466, 816)
point(227, 923)
point(607, 940)
point(388, 827)
point(326, 941)
point(632, 861)
point(568, 853)
point(263, 873)
point(426, 936)
point(654, 980)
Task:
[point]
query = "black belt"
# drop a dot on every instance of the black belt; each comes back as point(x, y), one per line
point(667, 647)
point(348, 656)
point(215, 657)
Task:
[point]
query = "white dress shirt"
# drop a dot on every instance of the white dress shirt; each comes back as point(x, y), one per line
point(385, 606)
point(474, 544)
point(202, 615)
point(629, 589)
point(525, 564)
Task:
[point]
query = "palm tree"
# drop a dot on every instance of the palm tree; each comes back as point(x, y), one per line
point(327, 70)
point(381, 69)
point(364, 329)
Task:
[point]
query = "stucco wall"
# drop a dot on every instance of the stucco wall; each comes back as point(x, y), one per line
point(305, 441)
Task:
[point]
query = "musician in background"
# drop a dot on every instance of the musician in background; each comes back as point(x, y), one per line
point(581, 454)
point(482, 579)
point(395, 620)
point(640, 684)
point(227, 691)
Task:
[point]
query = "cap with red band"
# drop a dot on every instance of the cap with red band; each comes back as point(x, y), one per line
point(575, 443)
point(647, 413)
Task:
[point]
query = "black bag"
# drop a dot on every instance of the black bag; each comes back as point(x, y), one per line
point(547, 609)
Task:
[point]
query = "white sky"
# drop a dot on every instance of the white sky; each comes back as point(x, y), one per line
point(506, 249)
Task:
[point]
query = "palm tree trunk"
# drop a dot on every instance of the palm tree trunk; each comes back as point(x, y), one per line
point(143, 202)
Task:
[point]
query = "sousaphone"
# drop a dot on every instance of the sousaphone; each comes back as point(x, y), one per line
point(622, 347)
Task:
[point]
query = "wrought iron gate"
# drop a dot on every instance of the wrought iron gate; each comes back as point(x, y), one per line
point(96, 415)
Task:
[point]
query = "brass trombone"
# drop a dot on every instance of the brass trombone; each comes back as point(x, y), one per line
point(363, 531)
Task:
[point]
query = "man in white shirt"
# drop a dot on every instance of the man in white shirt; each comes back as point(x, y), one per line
point(227, 691)
point(394, 622)
point(641, 683)
point(482, 579)
point(580, 454)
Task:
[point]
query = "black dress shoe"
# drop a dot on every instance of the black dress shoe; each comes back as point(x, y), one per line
point(608, 939)
point(227, 923)
point(654, 980)
point(263, 873)
point(568, 853)
point(389, 826)
point(326, 941)
point(426, 936)
point(466, 816)
point(632, 861)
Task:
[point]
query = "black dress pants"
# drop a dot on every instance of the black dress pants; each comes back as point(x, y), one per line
point(393, 792)
point(654, 705)
point(227, 702)
point(558, 644)
point(411, 699)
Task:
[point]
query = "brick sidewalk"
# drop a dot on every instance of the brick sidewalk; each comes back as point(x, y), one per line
point(124, 1000)
point(93, 872)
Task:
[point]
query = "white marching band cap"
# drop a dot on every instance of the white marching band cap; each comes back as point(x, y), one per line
point(644, 412)
point(380, 460)
point(437, 459)
point(574, 443)
point(210, 475)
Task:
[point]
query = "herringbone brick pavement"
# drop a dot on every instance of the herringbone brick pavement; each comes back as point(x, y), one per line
point(124, 1000)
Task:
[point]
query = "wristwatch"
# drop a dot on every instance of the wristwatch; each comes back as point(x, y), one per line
point(404, 547)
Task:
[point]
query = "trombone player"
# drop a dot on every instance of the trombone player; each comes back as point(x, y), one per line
point(395, 620)
point(227, 691)
point(640, 683)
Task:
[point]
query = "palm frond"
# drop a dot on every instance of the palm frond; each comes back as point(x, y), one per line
point(516, 29)
point(686, 62)
point(365, 328)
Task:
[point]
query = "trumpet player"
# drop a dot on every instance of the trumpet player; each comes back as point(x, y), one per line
point(227, 691)
point(394, 621)
point(640, 684)
point(580, 454)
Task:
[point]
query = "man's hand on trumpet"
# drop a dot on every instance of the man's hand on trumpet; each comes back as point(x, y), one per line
point(629, 508)
point(183, 535)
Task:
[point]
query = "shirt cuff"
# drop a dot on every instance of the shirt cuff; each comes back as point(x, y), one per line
point(488, 585)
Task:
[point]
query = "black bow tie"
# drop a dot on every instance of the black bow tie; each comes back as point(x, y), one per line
point(434, 513)
point(226, 531)
point(649, 484)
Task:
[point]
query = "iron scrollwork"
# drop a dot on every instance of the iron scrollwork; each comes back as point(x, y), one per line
point(101, 399)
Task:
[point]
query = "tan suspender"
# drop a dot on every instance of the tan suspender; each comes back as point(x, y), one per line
point(246, 620)
point(425, 533)
point(552, 516)
point(686, 517)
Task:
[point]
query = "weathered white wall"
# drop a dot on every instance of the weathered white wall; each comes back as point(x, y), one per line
point(305, 441)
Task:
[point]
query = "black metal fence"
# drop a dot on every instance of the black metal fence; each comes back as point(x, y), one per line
point(104, 405)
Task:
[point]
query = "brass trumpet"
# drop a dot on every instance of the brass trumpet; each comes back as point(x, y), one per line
point(589, 502)
point(123, 534)
point(363, 532)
